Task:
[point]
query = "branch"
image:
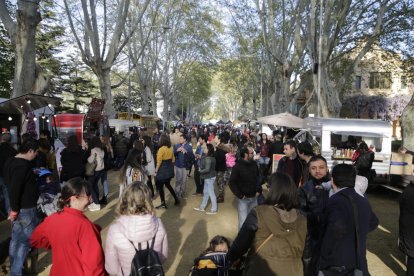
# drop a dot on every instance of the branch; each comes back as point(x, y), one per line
point(8, 22)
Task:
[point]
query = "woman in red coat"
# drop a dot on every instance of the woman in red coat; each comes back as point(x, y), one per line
point(75, 241)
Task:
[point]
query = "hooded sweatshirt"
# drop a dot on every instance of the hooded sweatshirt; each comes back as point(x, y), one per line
point(119, 251)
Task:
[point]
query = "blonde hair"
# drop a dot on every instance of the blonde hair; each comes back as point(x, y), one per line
point(135, 200)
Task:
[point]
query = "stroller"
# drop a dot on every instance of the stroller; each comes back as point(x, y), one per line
point(49, 193)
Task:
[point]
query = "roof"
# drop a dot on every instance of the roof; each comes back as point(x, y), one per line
point(27, 103)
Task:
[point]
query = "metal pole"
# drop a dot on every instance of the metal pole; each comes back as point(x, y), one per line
point(320, 56)
point(129, 75)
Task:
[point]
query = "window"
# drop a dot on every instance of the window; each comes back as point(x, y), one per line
point(403, 82)
point(358, 81)
point(380, 80)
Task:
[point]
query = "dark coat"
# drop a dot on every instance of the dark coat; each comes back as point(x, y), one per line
point(6, 151)
point(338, 242)
point(406, 222)
point(297, 168)
point(73, 163)
point(244, 178)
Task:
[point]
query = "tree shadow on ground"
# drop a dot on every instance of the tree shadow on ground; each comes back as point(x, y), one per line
point(199, 232)
point(382, 242)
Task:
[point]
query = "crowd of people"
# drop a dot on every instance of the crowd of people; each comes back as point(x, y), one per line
point(300, 219)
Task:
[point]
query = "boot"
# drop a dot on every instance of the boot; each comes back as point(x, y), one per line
point(103, 200)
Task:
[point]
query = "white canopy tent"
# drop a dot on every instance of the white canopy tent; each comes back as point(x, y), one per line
point(282, 119)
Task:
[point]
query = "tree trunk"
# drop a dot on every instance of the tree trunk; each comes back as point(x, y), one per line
point(407, 122)
point(104, 78)
point(28, 18)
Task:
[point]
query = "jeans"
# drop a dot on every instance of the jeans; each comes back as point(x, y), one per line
point(105, 183)
point(119, 161)
point(5, 194)
point(244, 207)
point(198, 181)
point(180, 181)
point(93, 185)
point(22, 229)
point(264, 160)
point(209, 193)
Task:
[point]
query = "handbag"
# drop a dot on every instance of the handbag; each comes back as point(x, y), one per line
point(341, 270)
point(90, 167)
point(165, 171)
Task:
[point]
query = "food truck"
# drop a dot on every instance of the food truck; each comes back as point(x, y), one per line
point(338, 139)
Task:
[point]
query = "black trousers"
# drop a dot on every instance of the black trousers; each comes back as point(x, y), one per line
point(198, 181)
point(160, 187)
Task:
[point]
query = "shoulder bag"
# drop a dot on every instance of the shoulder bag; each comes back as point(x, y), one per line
point(90, 167)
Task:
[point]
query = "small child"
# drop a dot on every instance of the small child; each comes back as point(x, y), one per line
point(213, 260)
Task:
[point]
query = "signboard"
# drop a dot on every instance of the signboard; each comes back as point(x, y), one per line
point(401, 164)
point(67, 125)
point(276, 158)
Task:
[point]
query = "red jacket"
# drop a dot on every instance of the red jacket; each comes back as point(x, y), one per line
point(75, 242)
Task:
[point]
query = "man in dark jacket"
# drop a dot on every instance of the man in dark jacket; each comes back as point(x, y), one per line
point(23, 194)
point(220, 154)
point(339, 251)
point(243, 183)
point(313, 200)
point(120, 150)
point(6, 151)
point(406, 223)
point(184, 159)
point(291, 163)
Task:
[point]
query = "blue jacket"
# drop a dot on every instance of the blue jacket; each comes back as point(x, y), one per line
point(200, 152)
point(184, 160)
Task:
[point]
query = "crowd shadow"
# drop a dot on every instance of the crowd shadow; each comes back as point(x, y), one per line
point(172, 221)
point(386, 236)
point(199, 232)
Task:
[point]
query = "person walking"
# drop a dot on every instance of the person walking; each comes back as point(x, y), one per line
point(221, 168)
point(184, 158)
point(274, 232)
point(23, 195)
point(198, 155)
point(108, 164)
point(6, 152)
point(164, 171)
point(136, 224)
point(150, 163)
point(348, 220)
point(243, 183)
point(96, 156)
point(406, 227)
point(290, 163)
point(132, 170)
point(74, 240)
point(208, 174)
point(71, 159)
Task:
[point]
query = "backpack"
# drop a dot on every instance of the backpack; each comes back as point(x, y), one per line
point(146, 262)
point(363, 162)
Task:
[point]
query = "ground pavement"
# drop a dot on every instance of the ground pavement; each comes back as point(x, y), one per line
point(189, 231)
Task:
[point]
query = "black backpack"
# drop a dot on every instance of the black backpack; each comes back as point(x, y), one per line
point(146, 262)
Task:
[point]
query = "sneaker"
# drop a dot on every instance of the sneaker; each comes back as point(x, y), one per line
point(177, 202)
point(199, 209)
point(162, 206)
point(94, 207)
point(211, 213)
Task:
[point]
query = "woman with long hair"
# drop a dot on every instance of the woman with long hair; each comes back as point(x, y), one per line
point(132, 170)
point(274, 233)
point(74, 240)
point(96, 154)
point(150, 166)
point(208, 173)
point(108, 156)
point(164, 171)
point(135, 226)
point(71, 159)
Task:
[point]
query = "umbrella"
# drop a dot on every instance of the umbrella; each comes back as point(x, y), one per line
point(282, 119)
